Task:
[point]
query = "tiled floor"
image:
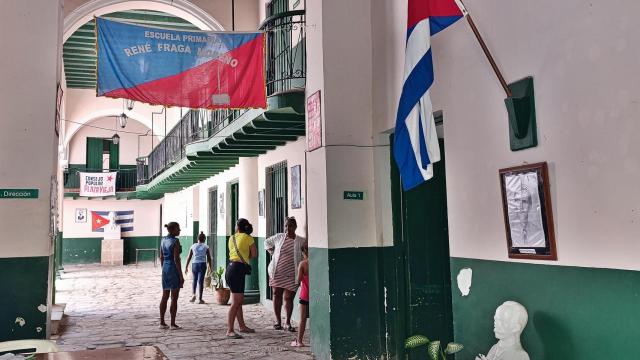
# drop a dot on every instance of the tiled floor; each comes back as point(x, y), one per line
point(118, 307)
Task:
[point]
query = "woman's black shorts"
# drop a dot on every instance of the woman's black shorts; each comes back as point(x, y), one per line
point(234, 276)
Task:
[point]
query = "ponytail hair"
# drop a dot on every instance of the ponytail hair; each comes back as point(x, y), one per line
point(172, 225)
point(244, 226)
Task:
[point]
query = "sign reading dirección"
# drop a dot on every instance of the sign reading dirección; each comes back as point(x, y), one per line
point(18, 193)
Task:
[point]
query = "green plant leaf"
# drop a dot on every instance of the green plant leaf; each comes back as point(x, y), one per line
point(453, 348)
point(434, 349)
point(415, 341)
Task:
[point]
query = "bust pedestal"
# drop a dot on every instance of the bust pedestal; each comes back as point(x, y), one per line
point(112, 249)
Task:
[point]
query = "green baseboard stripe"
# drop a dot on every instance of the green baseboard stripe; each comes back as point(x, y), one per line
point(88, 250)
point(25, 282)
point(574, 313)
point(347, 303)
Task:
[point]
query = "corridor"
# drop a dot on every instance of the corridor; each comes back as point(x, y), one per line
point(118, 307)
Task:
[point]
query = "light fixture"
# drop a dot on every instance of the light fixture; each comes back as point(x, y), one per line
point(116, 139)
point(122, 120)
point(130, 104)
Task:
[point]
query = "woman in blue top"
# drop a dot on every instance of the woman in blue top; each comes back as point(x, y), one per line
point(172, 279)
point(201, 257)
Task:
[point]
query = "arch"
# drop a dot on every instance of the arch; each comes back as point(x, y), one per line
point(180, 8)
point(75, 126)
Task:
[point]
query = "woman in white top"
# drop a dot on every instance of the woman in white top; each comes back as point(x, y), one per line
point(201, 257)
point(286, 251)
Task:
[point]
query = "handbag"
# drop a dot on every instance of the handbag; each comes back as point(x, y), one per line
point(247, 267)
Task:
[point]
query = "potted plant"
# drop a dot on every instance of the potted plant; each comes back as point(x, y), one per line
point(433, 347)
point(222, 293)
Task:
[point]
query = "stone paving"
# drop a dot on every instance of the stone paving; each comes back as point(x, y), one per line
point(118, 307)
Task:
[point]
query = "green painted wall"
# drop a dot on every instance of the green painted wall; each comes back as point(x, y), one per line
point(347, 303)
point(25, 280)
point(574, 313)
point(87, 250)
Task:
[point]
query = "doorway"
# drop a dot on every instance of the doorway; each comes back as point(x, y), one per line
point(212, 241)
point(276, 209)
point(421, 240)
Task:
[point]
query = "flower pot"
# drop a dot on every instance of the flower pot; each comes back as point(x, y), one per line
point(222, 296)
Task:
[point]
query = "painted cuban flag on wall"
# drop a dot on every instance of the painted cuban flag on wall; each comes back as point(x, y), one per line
point(99, 219)
point(415, 140)
point(194, 69)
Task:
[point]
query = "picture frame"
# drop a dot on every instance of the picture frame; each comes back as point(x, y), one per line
point(81, 216)
point(59, 94)
point(261, 202)
point(296, 191)
point(221, 203)
point(314, 121)
point(528, 215)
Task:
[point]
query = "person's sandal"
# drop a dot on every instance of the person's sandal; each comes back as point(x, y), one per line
point(201, 301)
point(291, 328)
point(193, 299)
point(234, 336)
point(277, 327)
point(247, 330)
point(295, 343)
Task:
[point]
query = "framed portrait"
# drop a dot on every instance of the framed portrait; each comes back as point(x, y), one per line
point(528, 218)
point(296, 192)
point(221, 203)
point(58, 108)
point(81, 216)
point(261, 202)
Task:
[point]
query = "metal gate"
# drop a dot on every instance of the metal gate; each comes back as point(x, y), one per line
point(276, 200)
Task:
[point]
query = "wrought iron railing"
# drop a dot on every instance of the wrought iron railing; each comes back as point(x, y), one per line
point(195, 125)
point(126, 179)
point(286, 62)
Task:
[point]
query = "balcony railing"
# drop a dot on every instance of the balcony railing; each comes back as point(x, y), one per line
point(286, 51)
point(195, 125)
point(286, 69)
point(125, 179)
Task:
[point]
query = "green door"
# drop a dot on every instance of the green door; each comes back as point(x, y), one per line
point(95, 149)
point(421, 236)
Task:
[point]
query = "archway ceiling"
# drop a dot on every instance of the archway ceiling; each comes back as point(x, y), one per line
point(79, 51)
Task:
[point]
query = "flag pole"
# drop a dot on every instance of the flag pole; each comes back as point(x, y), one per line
point(484, 47)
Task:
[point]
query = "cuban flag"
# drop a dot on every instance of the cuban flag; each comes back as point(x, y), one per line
point(99, 219)
point(415, 140)
point(194, 69)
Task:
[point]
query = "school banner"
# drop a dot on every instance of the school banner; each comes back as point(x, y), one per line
point(98, 184)
point(195, 69)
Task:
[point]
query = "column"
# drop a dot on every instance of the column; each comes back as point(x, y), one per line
point(248, 206)
point(30, 38)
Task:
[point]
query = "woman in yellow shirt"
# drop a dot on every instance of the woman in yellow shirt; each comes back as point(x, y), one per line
point(242, 248)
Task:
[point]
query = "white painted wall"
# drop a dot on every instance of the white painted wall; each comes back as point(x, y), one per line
point(83, 106)
point(221, 181)
point(128, 140)
point(30, 73)
point(178, 207)
point(294, 154)
point(146, 216)
point(586, 109)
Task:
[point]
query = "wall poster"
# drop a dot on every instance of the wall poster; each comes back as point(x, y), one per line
point(528, 217)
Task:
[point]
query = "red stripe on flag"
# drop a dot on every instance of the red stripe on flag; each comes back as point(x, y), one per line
point(194, 88)
point(422, 9)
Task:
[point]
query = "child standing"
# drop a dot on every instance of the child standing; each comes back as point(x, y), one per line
point(201, 257)
point(303, 279)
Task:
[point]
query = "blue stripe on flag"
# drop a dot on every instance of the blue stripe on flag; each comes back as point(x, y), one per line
point(124, 221)
point(118, 213)
point(126, 229)
point(405, 158)
point(424, 154)
point(439, 23)
point(417, 83)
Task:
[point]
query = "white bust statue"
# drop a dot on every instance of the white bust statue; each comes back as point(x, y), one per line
point(112, 230)
point(509, 322)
